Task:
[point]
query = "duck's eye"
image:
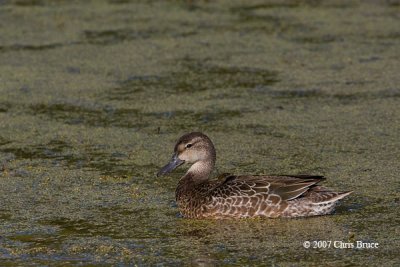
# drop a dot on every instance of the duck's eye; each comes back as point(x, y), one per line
point(188, 145)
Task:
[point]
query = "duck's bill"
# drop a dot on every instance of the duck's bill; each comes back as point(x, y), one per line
point(172, 165)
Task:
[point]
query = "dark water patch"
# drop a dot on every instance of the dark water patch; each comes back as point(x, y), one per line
point(61, 153)
point(5, 159)
point(4, 107)
point(5, 215)
point(73, 70)
point(124, 218)
point(4, 141)
point(118, 2)
point(388, 36)
point(287, 5)
point(195, 77)
point(263, 18)
point(76, 227)
point(94, 157)
point(35, 3)
point(259, 129)
point(393, 3)
point(298, 93)
point(195, 6)
point(57, 151)
point(107, 164)
point(205, 116)
point(20, 47)
point(36, 239)
point(199, 232)
point(350, 207)
point(106, 37)
point(272, 20)
point(358, 82)
point(319, 94)
point(270, 5)
point(28, 3)
point(114, 36)
point(214, 77)
point(25, 89)
point(136, 84)
point(111, 222)
point(52, 150)
point(20, 173)
point(323, 39)
point(381, 94)
point(94, 116)
point(369, 59)
point(192, 119)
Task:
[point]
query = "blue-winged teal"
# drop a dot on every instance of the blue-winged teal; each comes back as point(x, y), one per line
point(245, 195)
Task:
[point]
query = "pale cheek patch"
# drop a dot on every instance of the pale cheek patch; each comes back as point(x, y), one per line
point(197, 156)
point(187, 156)
point(192, 156)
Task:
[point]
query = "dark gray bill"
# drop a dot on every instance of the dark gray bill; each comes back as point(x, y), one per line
point(172, 165)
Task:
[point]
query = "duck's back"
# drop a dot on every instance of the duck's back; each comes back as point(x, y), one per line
point(258, 196)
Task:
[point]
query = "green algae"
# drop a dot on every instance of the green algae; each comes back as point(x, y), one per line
point(93, 96)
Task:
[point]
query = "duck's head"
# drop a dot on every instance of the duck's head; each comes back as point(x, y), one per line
point(193, 148)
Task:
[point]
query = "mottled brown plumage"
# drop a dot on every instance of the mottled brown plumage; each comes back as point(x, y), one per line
point(243, 196)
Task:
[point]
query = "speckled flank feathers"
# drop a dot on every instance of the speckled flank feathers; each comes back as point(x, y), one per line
point(243, 196)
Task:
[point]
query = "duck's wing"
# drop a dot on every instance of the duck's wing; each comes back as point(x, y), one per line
point(287, 187)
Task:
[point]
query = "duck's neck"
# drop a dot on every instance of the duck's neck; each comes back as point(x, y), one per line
point(198, 172)
point(201, 170)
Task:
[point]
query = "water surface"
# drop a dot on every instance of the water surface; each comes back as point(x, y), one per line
point(93, 96)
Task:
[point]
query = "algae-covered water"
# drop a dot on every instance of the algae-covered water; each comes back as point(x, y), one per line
point(93, 95)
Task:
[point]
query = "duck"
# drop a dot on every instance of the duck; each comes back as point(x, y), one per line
point(242, 196)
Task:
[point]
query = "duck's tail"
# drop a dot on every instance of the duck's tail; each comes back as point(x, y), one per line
point(318, 200)
point(328, 197)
